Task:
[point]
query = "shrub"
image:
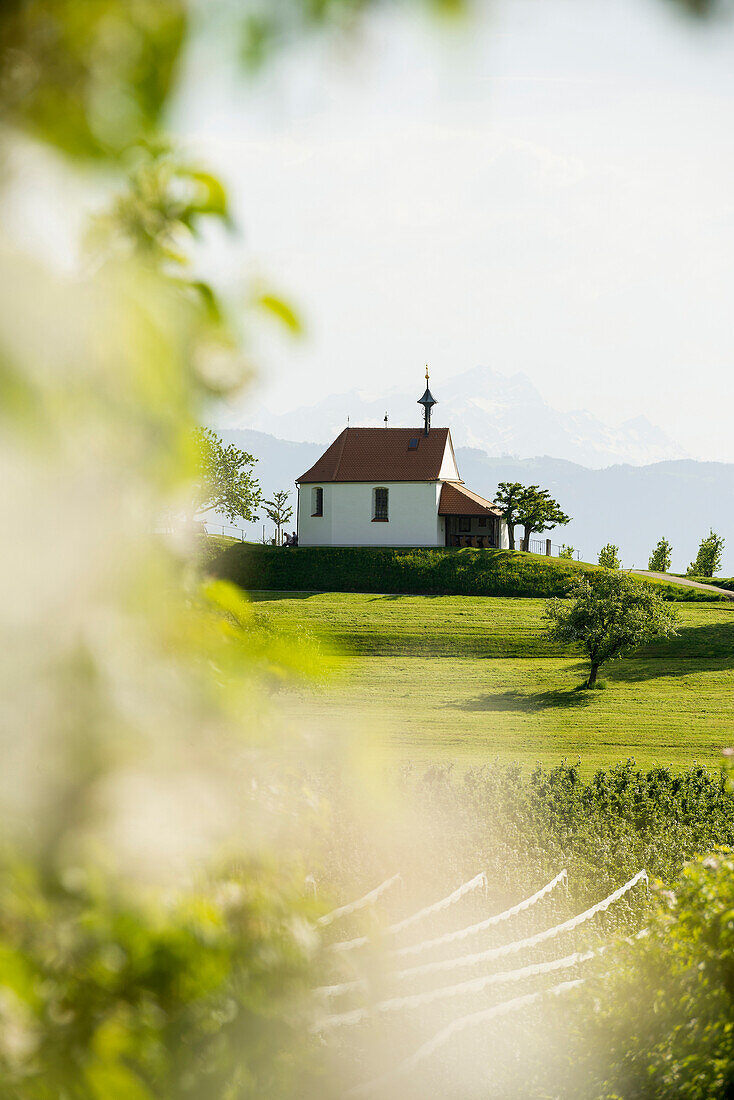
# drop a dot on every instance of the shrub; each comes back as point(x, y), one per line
point(658, 1023)
point(609, 557)
point(604, 829)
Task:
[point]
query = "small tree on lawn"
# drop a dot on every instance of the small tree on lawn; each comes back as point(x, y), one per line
point(507, 499)
point(708, 559)
point(225, 482)
point(566, 552)
point(278, 510)
point(538, 511)
point(661, 557)
point(609, 556)
point(609, 614)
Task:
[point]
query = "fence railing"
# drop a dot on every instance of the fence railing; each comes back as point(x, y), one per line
point(535, 546)
point(545, 546)
point(224, 529)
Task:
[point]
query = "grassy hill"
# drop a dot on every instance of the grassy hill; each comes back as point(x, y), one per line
point(426, 571)
point(468, 679)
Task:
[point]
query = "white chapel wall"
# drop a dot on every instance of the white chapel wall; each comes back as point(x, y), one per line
point(449, 470)
point(348, 509)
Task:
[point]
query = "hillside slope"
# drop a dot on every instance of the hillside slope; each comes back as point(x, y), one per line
point(433, 572)
point(466, 680)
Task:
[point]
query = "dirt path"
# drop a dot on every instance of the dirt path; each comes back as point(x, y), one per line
point(685, 581)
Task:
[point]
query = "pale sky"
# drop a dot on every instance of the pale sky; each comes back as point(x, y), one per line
point(549, 191)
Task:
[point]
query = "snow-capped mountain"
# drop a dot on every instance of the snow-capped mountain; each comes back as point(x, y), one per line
point(498, 413)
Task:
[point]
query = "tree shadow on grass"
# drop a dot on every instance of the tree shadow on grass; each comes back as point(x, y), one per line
point(712, 641)
point(277, 595)
point(527, 702)
point(638, 669)
point(402, 595)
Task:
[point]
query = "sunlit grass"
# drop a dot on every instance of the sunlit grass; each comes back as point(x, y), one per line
point(468, 626)
point(472, 678)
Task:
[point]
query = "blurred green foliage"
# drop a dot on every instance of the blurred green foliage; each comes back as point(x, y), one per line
point(107, 994)
point(94, 78)
point(89, 78)
point(137, 736)
point(273, 24)
point(160, 211)
point(660, 1023)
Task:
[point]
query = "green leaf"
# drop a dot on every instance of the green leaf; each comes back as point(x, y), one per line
point(211, 302)
point(213, 198)
point(282, 311)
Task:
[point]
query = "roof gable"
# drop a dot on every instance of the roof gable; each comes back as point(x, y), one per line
point(383, 454)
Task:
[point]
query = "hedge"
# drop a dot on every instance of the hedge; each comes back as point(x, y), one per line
point(466, 572)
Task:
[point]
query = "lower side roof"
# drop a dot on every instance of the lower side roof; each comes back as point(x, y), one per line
point(458, 501)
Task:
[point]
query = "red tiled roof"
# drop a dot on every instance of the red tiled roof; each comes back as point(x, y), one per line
point(458, 501)
point(381, 454)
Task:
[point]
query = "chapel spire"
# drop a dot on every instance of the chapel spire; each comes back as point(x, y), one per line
point(427, 401)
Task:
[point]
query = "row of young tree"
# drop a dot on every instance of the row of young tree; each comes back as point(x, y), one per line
point(706, 563)
point(535, 510)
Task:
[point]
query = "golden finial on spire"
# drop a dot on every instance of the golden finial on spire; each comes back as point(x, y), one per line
point(427, 401)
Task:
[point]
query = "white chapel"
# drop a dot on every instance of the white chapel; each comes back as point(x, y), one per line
point(394, 487)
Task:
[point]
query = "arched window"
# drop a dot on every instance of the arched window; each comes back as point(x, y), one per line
point(317, 501)
point(380, 505)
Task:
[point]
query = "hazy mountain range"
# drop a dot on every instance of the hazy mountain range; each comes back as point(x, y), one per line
point(499, 414)
point(632, 506)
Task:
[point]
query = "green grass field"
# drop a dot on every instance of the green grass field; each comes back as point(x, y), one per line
point(471, 678)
